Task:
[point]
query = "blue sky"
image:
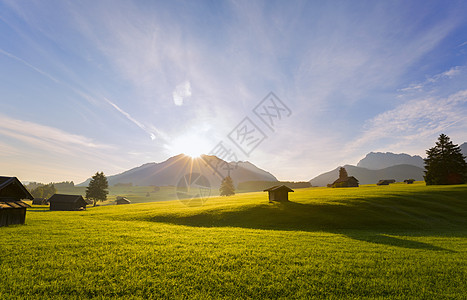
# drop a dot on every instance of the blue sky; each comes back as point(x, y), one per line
point(90, 86)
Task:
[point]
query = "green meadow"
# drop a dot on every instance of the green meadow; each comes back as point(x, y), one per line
point(398, 241)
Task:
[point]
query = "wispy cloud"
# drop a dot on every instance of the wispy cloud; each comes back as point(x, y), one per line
point(414, 122)
point(29, 65)
point(154, 133)
point(49, 138)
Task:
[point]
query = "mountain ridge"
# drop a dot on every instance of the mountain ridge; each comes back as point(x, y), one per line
point(381, 160)
point(172, 170)
point(367, 176)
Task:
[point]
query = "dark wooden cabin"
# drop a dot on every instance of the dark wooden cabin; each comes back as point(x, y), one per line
point(278, 193)
point(386, 181)
point(67, 202)
point(122, 200)
point(346, 182)
point(40, 201)
point(12, 209)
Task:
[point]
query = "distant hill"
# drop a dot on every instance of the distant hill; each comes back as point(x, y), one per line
point(367, 176)
point(380, 160)
point(173, 169)
point(464, 149)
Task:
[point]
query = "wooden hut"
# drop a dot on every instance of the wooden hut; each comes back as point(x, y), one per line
point(12, 209)
point(40, 201)
point(385, 181)
point(122, 200)
point(278, 193)
point(67, 202)
point(346, 182)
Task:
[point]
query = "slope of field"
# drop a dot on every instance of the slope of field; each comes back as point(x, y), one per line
point(397, 241)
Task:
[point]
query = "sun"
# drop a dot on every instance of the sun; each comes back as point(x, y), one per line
point(189, 145)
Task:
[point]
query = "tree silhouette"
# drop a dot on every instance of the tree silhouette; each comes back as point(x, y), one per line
point(445, 163)
point(227, 187)
point(97, 188)
point(44, 191)
point(343, 173)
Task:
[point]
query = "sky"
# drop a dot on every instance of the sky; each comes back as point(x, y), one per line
point(89, 86)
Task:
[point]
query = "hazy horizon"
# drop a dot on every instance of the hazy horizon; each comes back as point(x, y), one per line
point(111, 85)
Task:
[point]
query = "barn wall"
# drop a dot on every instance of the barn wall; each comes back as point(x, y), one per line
point(12, 216)
point(65, 206)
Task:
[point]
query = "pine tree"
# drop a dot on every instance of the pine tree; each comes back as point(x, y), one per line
point(343, 173)
point(97, 188)
point(445, 163)
point(227, 187)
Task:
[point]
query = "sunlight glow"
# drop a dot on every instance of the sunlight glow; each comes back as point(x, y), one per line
point(192, 146)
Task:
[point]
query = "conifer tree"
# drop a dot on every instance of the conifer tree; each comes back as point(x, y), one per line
point(343, 173)
point(445, 163)
point(227, 187)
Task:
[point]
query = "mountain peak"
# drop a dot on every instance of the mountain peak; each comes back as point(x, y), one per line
point(380, 160)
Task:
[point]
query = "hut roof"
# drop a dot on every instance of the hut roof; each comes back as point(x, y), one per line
point(345, 179)
point(278, 188)
point(122, 200)
point(12, 188)
point(13, 204)
point(62, 198)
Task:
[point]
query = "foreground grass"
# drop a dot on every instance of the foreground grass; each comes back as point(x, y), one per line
point(396, 241)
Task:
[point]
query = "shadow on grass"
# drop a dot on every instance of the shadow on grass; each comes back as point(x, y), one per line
point(360, 219)
point(384, 239)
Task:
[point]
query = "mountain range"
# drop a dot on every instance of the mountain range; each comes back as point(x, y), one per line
point(171, 171)
point(373, 167)
point(379, 160)
point(367, 176)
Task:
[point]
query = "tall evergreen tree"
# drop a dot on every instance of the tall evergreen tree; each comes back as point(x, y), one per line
point(343, 173)
point(445, 163)
point(97, 188)
point(227, 187)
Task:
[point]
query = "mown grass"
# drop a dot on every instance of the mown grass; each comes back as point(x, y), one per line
point(397, 241)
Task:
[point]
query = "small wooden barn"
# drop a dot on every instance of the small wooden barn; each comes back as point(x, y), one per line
point(122, 200)
point(12, 209)
point(278, 193)
point(385, 181)
point(40, 201)
point(346, 182)
point(67, 202)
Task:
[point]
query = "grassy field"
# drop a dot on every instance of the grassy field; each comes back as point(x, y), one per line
point(397, 241)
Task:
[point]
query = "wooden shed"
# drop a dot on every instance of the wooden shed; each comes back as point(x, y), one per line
point(346, 182)
point(40, 201)
point(67, 202)
point(386, 181)
point(12, 209)
point(122, 200)
point(278, 193)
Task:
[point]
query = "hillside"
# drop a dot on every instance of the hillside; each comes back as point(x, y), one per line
point(366, 176)
point(171, 171)
point(380, 160)
point(371, 242)
point(464, 149)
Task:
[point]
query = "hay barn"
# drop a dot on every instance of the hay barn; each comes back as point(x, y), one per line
point(40, 201)
point(278, 193)
point(122, 200)
point(386, 181)
point(12, 209)
point(346, 182)
point(67, 202)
